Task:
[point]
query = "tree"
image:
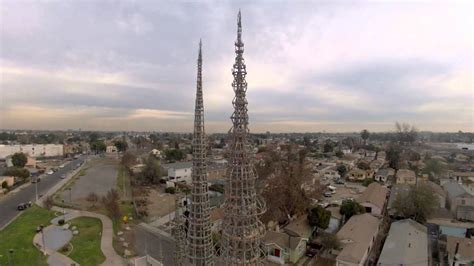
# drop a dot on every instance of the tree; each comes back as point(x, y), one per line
point(405, 133)
point(364, 134)
point(217, 187)
point(342, 170)
point(328, 147)
point(174, 155)
point(128, 160)
point(363, 165)
point(418, 203)
point(367, 182)
point(350, 208)
point(92, 198)
point(170, 190)
point(330, 241)
point(18, 172)
point(339, 154)
point(319, 217)
point(111, 205)
point(393, 156)
point(434, 168)
point(48, 202)
point(121, 145)
point(98, 146)
point(151, 170)
point(19, 159)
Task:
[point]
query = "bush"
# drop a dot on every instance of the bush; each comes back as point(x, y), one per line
point(217, 187)
point(48, 202)
point(18, 172)
point(61, 222)
point(170, 190)
point(5, 185)
point(367, 182)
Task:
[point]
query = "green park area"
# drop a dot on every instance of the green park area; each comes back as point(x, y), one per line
point(18, 237)
point(86, 245)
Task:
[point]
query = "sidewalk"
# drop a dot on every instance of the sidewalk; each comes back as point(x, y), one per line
point(106, 243)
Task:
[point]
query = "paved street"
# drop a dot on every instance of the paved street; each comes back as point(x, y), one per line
point(8, 205)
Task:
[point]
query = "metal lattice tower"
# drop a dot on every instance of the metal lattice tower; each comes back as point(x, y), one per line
point(200, 248)
point(179, 234)
point(242, 230)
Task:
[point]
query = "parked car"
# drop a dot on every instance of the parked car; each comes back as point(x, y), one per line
point(50, 172)
point(328, 194)
point(340, 181)
point(63, 176)
point(36, 179)
point(23, 206)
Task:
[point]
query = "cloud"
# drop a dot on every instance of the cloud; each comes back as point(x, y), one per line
point(312, 66)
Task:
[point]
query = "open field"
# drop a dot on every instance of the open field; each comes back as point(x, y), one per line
point(19, 237)
point(86, 245)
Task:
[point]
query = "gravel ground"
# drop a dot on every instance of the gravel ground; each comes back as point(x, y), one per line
point(100, 176)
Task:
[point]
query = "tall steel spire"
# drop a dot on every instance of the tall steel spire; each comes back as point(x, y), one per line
point(179, 233)
point(200, 248)
point(242, 230)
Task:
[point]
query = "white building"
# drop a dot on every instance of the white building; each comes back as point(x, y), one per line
point(179, 172)
point(111, 149)
point(33, 150)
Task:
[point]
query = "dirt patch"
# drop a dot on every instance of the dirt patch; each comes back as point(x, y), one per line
point(159, 203)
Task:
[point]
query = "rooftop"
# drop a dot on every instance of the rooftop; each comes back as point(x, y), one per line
point(375, 194)
point(406, 244)
point(465, 250)
point(359, 232)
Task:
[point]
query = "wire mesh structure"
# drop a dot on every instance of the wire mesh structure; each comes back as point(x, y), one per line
point(200, 248)
point(242, 230)
point(179, 234)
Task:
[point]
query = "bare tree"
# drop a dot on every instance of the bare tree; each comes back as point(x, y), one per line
point(48, 202)
point(111, 204)
point(92, 198)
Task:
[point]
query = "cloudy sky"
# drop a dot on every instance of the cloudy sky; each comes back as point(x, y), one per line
point(312, 66)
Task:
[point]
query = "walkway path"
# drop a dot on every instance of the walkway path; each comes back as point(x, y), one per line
point(112, 258)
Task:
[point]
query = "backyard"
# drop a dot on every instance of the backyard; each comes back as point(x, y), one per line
point(19, 237)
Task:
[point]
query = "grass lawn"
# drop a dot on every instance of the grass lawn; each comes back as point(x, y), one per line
point(86, 245)
point(19, 237)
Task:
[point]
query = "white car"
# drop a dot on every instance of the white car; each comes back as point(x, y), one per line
point(50, 172)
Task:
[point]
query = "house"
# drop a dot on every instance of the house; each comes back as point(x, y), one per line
point(179, 172)
point(460, 195)
point(462, 176)
point(111, 149)
point(376, 164)
point(331, 173)
point(406, 244)
point(460, 251)
point(374, 198)
point(277, 246)
point(289, 244)
point(335, 220)
point(405, 176)
point(357, 237)
point(156, 153)
point(384, 175)
point(357, 174)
